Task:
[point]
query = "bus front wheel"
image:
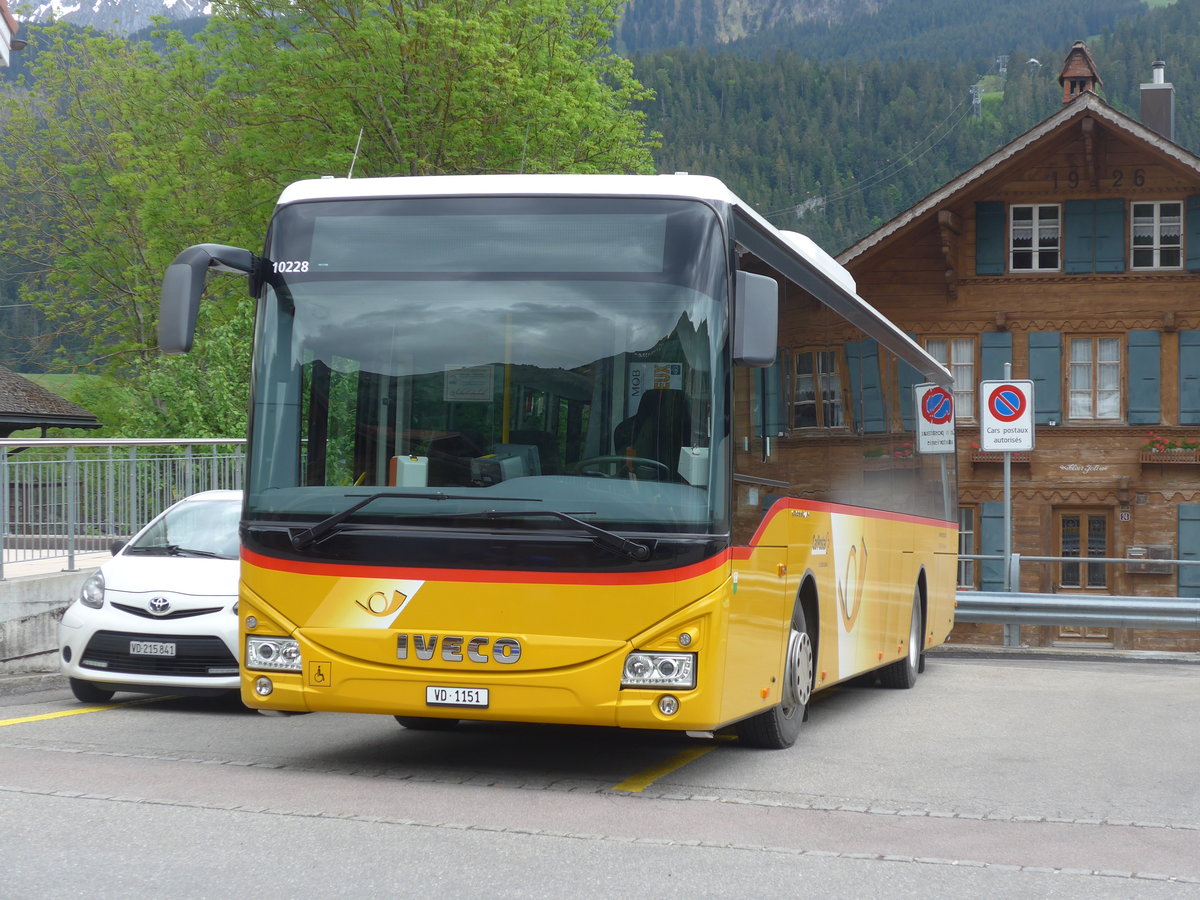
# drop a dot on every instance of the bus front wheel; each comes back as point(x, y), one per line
point(778, 727)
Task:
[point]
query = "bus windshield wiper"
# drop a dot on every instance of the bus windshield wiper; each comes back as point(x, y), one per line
point(308, 536)
point(609, 540)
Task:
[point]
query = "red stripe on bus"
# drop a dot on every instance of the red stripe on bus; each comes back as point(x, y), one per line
point(493, 576)
point(789, 503)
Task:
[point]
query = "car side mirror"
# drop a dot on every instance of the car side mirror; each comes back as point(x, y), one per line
point(117, 546)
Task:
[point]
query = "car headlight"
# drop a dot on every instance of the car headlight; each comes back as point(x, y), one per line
point(279, 654)
point(655, 670)
point(92, 592)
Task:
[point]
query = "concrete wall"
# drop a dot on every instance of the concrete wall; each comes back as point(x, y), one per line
point(30, 608)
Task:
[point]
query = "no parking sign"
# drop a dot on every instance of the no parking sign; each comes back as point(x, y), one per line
point(935, 427)
point(1006, 423)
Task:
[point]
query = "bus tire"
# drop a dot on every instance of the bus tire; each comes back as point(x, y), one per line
point(779, 726)
point(89, 691)
point(423, 723)
point(903, 672)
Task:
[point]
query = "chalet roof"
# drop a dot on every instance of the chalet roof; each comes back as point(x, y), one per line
point(24, 404)
point(1086, 105)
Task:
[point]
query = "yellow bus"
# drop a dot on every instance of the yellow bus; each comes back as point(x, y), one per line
point(594, 450)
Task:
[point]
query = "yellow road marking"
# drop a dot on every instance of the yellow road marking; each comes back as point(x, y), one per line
point(647, 777)
point(78, 712)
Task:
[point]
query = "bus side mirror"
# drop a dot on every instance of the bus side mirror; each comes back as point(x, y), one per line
point(755, 320)
point(182, 286)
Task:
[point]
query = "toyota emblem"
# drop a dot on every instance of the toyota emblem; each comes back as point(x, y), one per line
point(159, 605)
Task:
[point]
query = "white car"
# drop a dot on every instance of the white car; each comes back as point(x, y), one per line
point(161, 615)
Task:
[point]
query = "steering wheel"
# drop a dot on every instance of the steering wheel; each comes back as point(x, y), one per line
point(620, 466)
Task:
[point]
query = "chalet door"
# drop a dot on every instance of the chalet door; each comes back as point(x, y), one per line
point(1083, 534)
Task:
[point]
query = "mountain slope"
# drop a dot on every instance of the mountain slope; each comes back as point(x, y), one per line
point(114, 16)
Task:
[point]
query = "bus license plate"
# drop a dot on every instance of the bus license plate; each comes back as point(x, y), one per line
point(151, 648)
point(456, 696)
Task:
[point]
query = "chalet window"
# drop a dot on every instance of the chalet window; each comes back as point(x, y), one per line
point(967, 546)
point(1156, 240)
point(1094, 378)
point(1034, 237)
point(1082, 534)
point(958, 355)
point(816, 390)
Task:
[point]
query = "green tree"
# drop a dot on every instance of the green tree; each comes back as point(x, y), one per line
point(126, 153)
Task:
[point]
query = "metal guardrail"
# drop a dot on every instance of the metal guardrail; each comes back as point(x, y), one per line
point(1105, 611)
point(62, 497)
point(1012, 609)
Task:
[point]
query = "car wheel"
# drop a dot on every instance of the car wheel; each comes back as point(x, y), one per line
point(90, 692)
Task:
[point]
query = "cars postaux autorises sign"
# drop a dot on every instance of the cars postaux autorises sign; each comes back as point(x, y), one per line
point(1006, 421)
point(935, 424)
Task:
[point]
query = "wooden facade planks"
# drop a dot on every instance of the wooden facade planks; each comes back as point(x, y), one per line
point(1095, 471)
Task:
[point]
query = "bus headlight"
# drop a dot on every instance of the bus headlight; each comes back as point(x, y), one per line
point(277, 653)
point(677, 670)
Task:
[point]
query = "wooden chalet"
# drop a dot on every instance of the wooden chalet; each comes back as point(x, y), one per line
point(1072, 253)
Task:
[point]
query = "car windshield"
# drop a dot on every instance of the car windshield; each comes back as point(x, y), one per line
point(514, 354)
point(195, 528)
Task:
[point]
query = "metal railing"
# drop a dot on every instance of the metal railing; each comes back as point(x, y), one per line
point(63, 497)
point(1014, 608)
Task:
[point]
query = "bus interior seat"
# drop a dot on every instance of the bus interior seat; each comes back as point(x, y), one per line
point(450, 457)
point(661, 425)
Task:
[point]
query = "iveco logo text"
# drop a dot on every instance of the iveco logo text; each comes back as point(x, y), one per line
point(505, 651)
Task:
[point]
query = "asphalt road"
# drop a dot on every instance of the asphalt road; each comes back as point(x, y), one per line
point(993, 778)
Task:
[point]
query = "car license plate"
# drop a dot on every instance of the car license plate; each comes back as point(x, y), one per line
point(456, 696)
point(151, 648)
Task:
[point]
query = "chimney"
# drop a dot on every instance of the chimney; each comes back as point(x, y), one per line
point(1079, 74)
point(1158, 103)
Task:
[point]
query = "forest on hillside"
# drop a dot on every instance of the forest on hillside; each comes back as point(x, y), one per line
point(833, 131)
point(837, 148)
point(854, 29)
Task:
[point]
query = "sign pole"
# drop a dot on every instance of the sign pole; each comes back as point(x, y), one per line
point(1007, 426)
point(1008, 585)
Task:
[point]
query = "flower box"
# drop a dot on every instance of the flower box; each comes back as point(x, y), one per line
point(1169, 457)
point(983, 456)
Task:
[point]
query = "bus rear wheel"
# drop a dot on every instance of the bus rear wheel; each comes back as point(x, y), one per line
point(903, 672)
point(423, 723)
point(778, 727)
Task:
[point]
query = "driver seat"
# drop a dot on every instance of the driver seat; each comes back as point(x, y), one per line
point(661, 425)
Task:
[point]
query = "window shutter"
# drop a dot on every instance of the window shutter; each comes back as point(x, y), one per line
point(866, 386)
point(1109, 248)
point(1078, 216)
point(1189, 378)
point(989, 238)
point(1189, 548)
point(1192, 231)
point(1045, 371)
point(991, 543)
point(1145, 407)
point(995, 349)
point(1094, 235)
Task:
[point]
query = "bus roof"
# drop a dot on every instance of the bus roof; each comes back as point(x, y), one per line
point(839, 290)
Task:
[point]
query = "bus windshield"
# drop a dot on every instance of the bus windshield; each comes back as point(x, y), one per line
point(465, 356)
